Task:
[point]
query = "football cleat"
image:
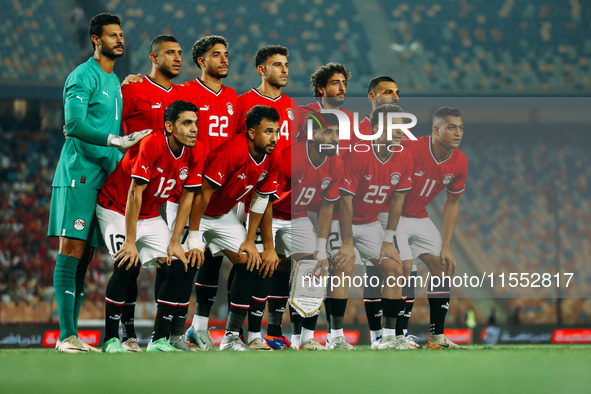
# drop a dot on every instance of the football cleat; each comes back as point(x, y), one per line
point(277, 343)
point(131, 345)
point(161, 345)
point(113, 345)
point(178, 341)
point(199, 338)
point(440, 341)
point(71, 344)
point(233, 342)
point(339, 343)
point(258, 344)
point(411, 340)
point(312, 344)
point(374, 344)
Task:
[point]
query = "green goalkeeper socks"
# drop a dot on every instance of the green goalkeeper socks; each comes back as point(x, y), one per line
point(64, 283)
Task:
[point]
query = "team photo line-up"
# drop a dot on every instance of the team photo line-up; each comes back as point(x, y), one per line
point(219, 166)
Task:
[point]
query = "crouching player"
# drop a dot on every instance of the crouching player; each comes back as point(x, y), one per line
point(127, 211)
point(236, 169)
point(376, 174)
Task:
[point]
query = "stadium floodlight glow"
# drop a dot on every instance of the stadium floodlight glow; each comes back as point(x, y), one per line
point(345, 125)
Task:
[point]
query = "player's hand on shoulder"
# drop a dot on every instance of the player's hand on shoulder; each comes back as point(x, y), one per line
point(127, 141)
point(253, 257)
point(127, 254)
point(448, 261)
point(132, 78)
point(270, 261)
point(389, 251)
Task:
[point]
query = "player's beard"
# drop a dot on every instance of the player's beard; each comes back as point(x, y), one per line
point(335, 101)
point(327, 151)
point(110, 53)
point(276, 82)
point(169, 73)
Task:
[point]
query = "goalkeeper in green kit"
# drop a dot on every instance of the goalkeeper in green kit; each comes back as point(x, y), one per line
point(92, 110)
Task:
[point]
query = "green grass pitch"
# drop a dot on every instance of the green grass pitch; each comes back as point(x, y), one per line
point(502, 369)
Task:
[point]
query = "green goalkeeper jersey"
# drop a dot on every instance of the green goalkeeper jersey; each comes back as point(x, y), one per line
point(92, 110)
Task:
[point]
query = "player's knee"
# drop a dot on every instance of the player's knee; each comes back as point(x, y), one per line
point(73, 247)
point(391, 268)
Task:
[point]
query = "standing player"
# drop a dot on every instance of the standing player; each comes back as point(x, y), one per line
point(438, 165)
point(375, 177)
point(143, 108)
point(92, 110)
point(217, 122)
point(271, 64)
point(127, 210)
point(231, 173)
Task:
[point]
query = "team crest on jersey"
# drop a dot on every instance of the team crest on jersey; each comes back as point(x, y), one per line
point(183, 173)
point(290, 114)
point(230, 108)
point(263, 175)
point(395, 178)
point(325, 183)
point(79, 224)
point(447, 178)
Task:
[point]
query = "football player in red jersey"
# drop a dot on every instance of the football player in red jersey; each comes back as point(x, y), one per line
point(271, 64)
point(378, 176)
point(232, 172)
point(438, 165)
point(217, 122)
point(143, 107)
point(135, 231)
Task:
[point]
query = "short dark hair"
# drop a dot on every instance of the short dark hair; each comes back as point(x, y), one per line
point(444, 112)
point(266, 52)
point(319, 121)
point(95, 26)
point(376, 81)
point(255, 115)
point(323, 74)
point(158, 40)
point(204, 44)
point(380, 111)
point(174, 110)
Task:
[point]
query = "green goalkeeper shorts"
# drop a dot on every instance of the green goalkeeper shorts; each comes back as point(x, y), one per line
point(72, 215)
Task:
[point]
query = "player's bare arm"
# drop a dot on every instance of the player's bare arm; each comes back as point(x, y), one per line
point(346, 254)
point(174, 247)
point(195, 238)
point(388, 248)
point(269, 258)
point(325, 213)
point(254, 220)
point(128, 252)
point(451, 212)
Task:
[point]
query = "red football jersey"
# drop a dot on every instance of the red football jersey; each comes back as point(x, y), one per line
point(311, 184)
point(372, 181)
point(235, 172)
point(283, 104)
point(144, 105)
point(156, 164)
point(282, 204)
point(431, 176)
point(216, 112)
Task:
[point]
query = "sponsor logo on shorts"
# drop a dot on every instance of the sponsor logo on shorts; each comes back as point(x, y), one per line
point(447, 178)
point(79, 224)
point(183, 173)
point(395, 178)
point(230, 108)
